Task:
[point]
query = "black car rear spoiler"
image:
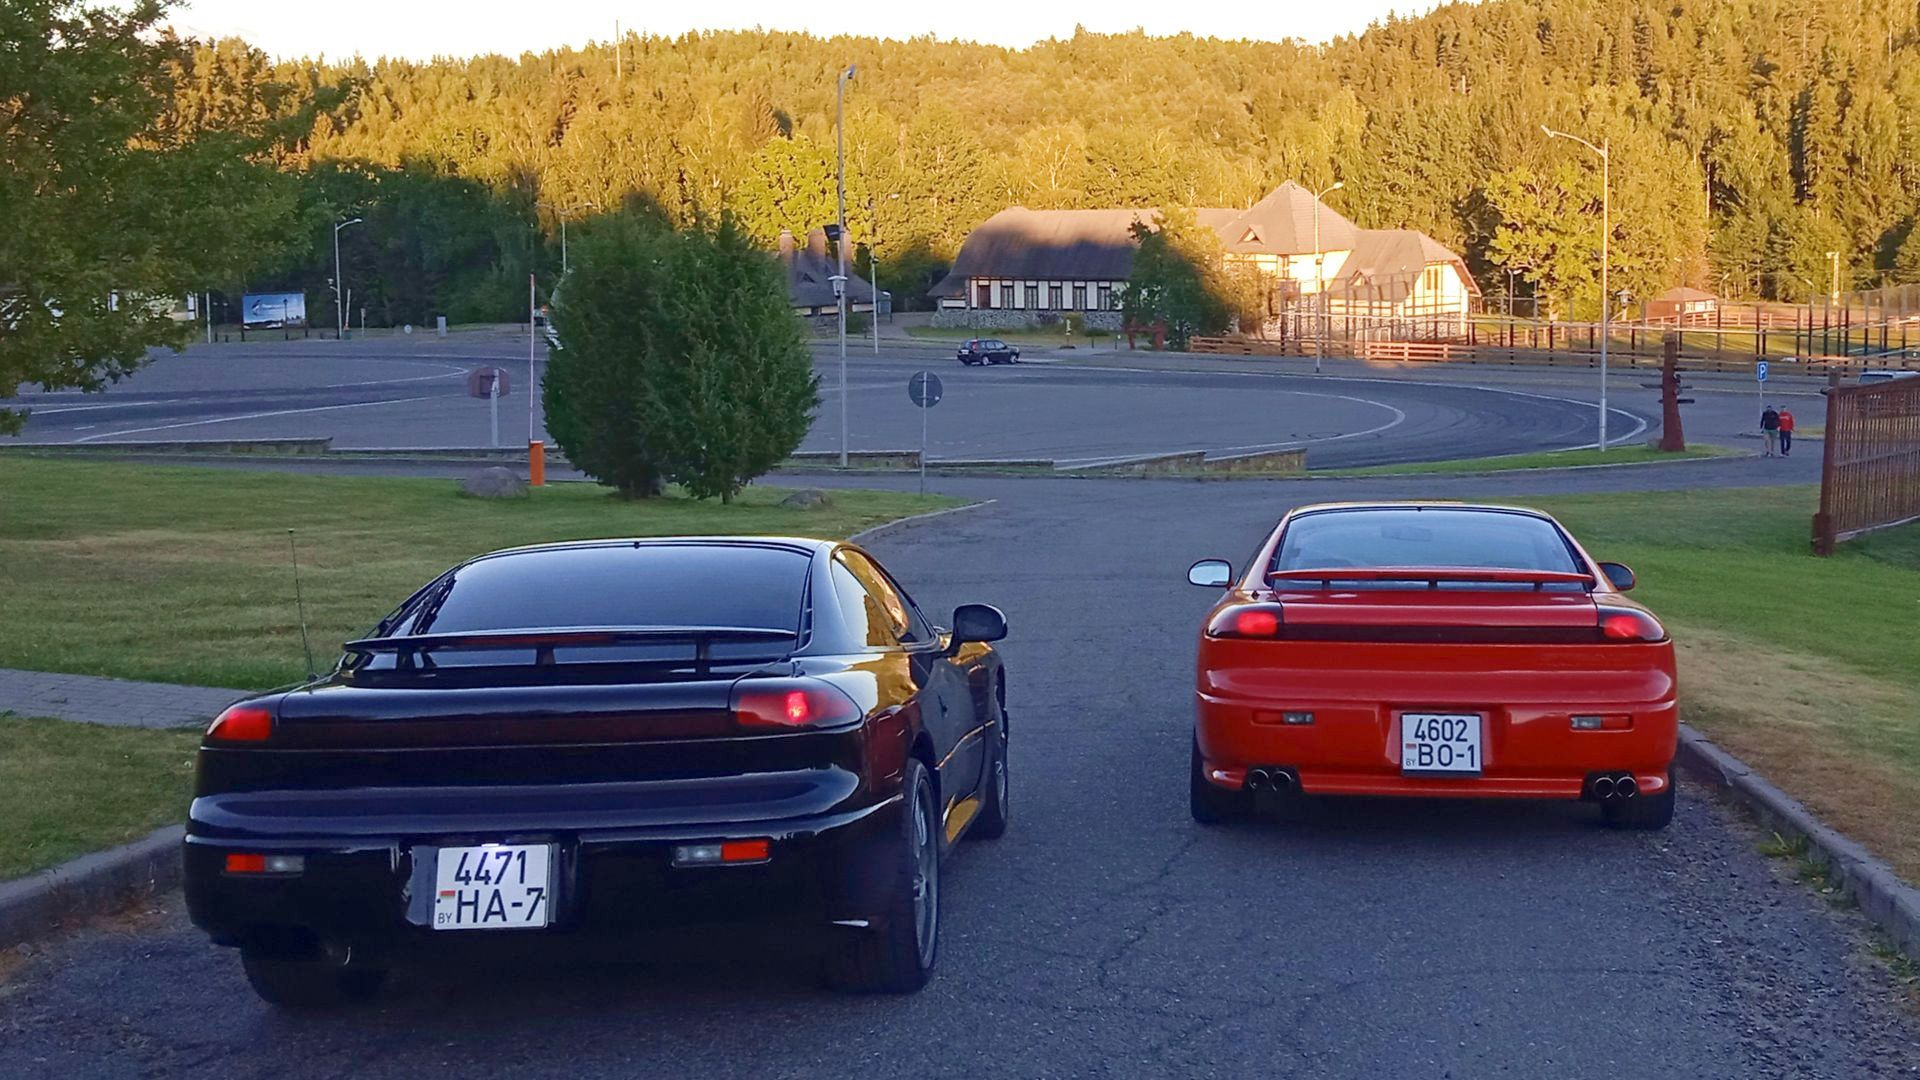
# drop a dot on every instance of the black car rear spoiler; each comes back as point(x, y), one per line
point(543, 641)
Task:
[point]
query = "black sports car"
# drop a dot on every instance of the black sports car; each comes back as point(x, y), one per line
point(588, 738)
point(987, 351)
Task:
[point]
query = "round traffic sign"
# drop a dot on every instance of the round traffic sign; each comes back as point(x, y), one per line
point(925, 389)
point(488, 382)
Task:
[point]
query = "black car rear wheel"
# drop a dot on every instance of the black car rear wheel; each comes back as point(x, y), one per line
point(1209, 803)
point(308, 982)
point(992, 824)
point(896, 956)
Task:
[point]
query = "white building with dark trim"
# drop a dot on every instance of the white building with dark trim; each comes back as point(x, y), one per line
point(1023, 266)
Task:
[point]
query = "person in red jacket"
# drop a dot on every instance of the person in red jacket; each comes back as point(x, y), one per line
point(1786, 431)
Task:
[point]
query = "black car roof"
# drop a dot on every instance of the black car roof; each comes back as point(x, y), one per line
point(797, 544)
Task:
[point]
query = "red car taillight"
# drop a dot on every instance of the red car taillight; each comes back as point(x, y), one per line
point(1630, 624)
point(241, 723)
point(1248, 621)
point(791, 703)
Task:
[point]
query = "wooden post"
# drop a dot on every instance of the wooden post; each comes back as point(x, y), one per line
point(1672, 438)
point(1823, 534)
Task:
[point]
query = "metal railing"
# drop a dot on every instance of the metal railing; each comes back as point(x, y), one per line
point(1870, 472)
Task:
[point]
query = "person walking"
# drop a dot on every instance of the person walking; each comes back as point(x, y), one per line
point(1786, 431)
point(1770, 428)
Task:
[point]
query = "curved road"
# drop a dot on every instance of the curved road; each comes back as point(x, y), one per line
point(412, 393)
point(1107, 935)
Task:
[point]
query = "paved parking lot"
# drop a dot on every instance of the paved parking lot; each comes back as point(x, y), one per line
point(1106, 935)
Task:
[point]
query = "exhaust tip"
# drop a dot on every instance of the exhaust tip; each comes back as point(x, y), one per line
point(1281, 781)
point(1603, 787)
point(1626, 787)
point(1257, 779)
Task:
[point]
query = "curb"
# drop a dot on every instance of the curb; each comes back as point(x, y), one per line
point(868, 533)
point(1340, 474)
point(1883, 897)
point(89, 886)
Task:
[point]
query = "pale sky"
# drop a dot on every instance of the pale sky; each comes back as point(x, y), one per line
point(411, 28)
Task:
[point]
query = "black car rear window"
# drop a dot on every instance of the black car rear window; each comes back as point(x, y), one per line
point(1426, 537)
point(626, 585)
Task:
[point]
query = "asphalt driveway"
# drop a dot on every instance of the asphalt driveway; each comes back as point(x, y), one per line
point(1107, 935)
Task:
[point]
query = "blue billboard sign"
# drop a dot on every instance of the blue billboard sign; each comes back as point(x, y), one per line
point(268, 311)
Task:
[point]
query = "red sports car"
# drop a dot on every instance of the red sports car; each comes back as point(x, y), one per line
point(1431, 649)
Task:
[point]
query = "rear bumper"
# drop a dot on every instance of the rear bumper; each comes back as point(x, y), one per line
point(1531, 751)
point(357, 884)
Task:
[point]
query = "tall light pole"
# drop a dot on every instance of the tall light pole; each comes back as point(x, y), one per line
point(1834, 258)
point(561, 212)
point(840, 245)
point(339, 307)
point(1320, 279)
point(873, 265)
point(1606, 230)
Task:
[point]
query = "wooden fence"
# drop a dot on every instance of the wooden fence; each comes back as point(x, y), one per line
point(1870, 475)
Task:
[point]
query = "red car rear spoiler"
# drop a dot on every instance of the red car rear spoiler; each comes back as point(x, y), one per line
point(1433, 575)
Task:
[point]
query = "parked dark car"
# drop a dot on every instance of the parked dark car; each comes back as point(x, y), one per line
point(988, 351)
point(601, 737)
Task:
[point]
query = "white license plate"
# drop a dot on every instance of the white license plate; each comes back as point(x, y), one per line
point(493, 887)
point(1445, 744)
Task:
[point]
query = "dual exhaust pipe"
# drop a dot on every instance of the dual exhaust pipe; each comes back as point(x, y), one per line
point(1277, 780)
point(1609, 787)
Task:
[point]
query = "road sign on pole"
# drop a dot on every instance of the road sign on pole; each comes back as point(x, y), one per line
point(924, 389)
point(1759, 371)
point(490, 383)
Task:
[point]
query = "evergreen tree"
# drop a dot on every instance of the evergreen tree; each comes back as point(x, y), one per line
point(680, 359)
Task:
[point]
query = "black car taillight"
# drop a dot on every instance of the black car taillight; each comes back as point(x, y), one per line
point(241, 723)
point(1629, 625)
point(772, 704)
point(1248, 621)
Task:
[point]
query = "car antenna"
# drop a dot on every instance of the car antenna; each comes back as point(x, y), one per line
point(300, 606)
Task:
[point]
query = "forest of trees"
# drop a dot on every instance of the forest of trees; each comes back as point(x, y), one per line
point(1748, 138)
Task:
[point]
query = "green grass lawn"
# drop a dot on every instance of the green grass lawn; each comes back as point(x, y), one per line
point(67, 789)
point(1556, 459)
point(176, 574)
point(1808, 668)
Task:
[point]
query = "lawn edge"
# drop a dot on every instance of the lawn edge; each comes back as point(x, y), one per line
point(1883, 896)
point(97, 883)
point(872, 531)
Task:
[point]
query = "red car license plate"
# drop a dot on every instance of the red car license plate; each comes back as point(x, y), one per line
point(1441, 744)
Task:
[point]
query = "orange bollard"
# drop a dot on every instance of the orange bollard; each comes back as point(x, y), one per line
point(536, 463)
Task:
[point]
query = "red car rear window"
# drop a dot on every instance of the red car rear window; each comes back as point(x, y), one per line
point(1388, 537)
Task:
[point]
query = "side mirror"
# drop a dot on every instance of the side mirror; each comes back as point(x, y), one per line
point(1210, 573)
point(1620, 575)
point(977, 622)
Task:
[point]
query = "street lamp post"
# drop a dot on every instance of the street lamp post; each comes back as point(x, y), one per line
point(840, 245)
point(1320, 279)
point(1606, 230)
point(873, 266)
point(339, 307)
point(561, 212)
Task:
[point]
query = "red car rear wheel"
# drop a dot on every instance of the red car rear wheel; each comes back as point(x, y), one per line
point(1209, 803)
